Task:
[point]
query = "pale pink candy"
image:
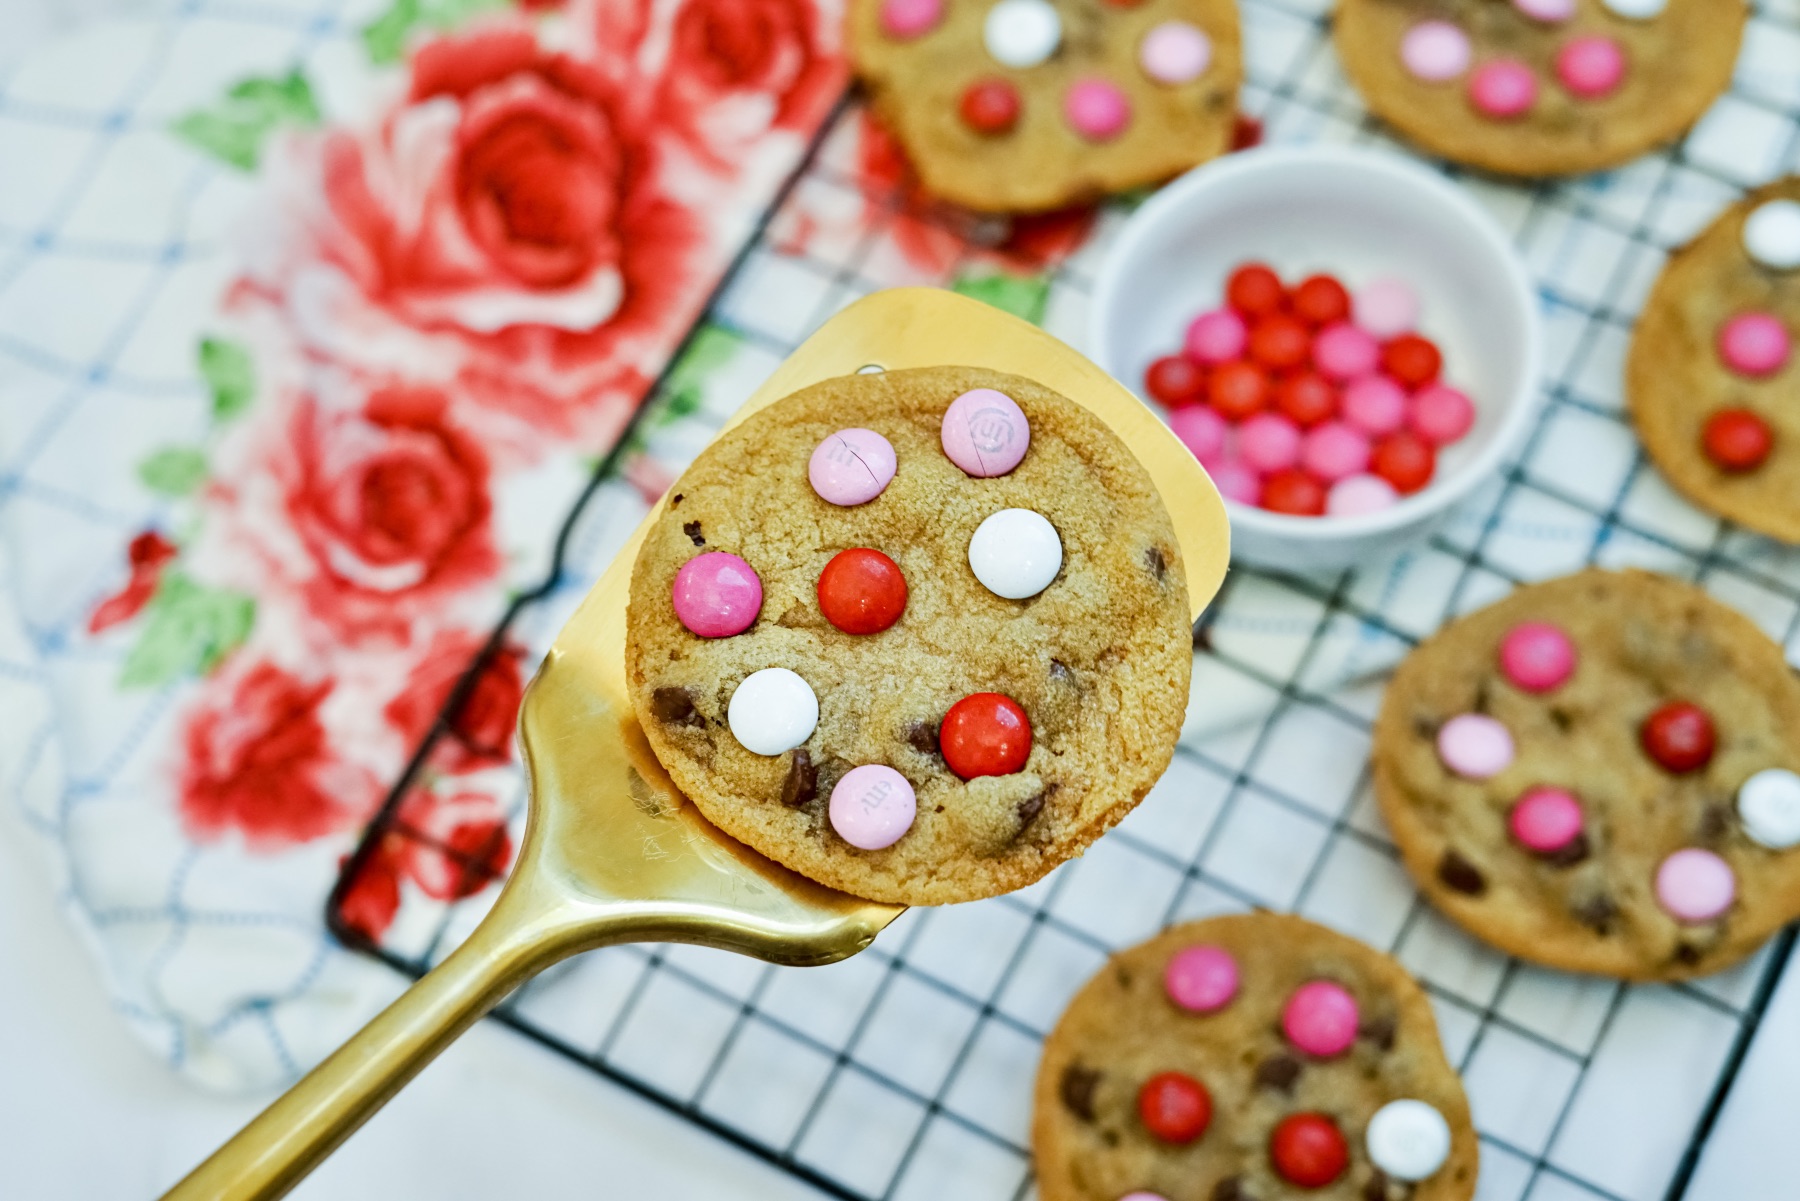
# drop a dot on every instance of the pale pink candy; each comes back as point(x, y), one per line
point(1216, 337)
point(1343, 352)
point(1537, 656)
point(1375, 404)
point(1754, 344)
point(1358, 494)
point(1141, 1195)
point(1096, 109)
point(1236, 481)
point(985, 433)
point(1549, 11)
point(1201, 978)
point(1440, 414)
point(872, 806)
point(852, 467)
point(1386, 307)
point(1545, 820)
point(1475, 746)
point(1435, 51)
point(1503, 89)
point(906, 19)
point(1269, 442)
point(717, 595)
point(1175, 52)
point(1695, 885)
point(1591, 67)
point(1321, 1018)
point(1201, 430)
point(1332, 451)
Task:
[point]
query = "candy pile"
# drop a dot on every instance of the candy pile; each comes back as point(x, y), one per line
point(1310, 401)
point(1014, 553)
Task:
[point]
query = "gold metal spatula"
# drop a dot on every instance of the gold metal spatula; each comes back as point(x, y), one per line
point(612, 852)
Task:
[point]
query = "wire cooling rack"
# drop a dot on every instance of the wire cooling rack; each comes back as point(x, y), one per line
point(906, 1071)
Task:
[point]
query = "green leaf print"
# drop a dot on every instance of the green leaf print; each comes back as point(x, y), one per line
point(229, 374)
point(684, 392)
point(384, 38)
point(234, 129)
point(190, 629)
point(1022, 296)
point(174, 470)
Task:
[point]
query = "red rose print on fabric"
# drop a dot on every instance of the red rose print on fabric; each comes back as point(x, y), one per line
point(147, 555)
point(256, 761)
point(372, 899)
point(391, 505)
point(481, 729)
point(459, 843)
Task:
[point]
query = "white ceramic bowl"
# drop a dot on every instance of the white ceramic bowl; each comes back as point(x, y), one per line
point(1358, 214)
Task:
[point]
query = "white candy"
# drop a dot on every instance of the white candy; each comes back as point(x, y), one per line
point(1022, 33)
point(1637, 10)
point(1408, 1140)
point(1015, 553)
point(1772, 235)
point(1769, 806)
point(772, 711)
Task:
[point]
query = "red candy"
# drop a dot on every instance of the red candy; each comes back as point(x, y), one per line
point(985, 734)
point(1404, 460)
point(1412, 360)
point(1737, 439)
point(1294, 492)
point(1308, 1150)
point(1320, 300)
point(990, 106)
point(1175, 1108)
point(1254, 290)
point(1306, 399)
point(1175, 380)
point(862, 591)
point(1238, 390)
point(1280, 342)
point(1679, 736)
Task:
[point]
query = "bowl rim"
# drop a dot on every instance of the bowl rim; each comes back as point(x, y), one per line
point(1166, 206)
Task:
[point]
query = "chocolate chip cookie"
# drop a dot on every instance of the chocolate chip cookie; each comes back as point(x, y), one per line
point(1249, 1057)
point(919, 635)
point(1598, 773)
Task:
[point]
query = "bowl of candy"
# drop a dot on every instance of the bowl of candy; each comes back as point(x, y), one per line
point(1346, 341)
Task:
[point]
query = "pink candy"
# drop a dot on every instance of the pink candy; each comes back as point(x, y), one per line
point(872, 806)
point(1343, 352)
point(1435, 51)
point(1269, 442)
point(1754, 344)
point(1440, 414)
point(1321, 1019)
point(1475, 746)
point(1201, 979)
point(1217, 337)
point(906, 19)
point(1386, 307)
point(851, 467)
point(985, 433)
point(1503, 89)
point(1591, 67)
point(1175, 52)
point(1548, 11)
point(1201, 430)
point(1332, 450)
point(717, 595)
point(1096, 109)
point(1537, 656)
point(1375, 404)
point(1695, 885)
point(1356, 495)
point(1236, 481)
point(1545, 820)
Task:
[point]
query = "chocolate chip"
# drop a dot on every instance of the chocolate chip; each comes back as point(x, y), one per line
point(675, 706)
point(1576, 850)
point(1381, 1031)
point(1715, 821)
point(1482, 698)
point(1688, 954)
point(1031, 806)
point(692, 530)
point(1077, 1090)
point(1426, 727)
point(1278, 1072)
point(675, 501)
point(1231, 1189)
point(1597, 912)
point(1561, 719)
point(1059, 671)
point(1154, 560)
point(802, 783)
point(1376, 1189)
point(1459, 874)
point(922, 738)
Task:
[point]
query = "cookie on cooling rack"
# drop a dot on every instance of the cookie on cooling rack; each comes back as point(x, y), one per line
point(1244, 1057)
point(919, 635)
point(1712, 378)
point(1598, 773)
point(1026, 105)
point(1539, 87)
